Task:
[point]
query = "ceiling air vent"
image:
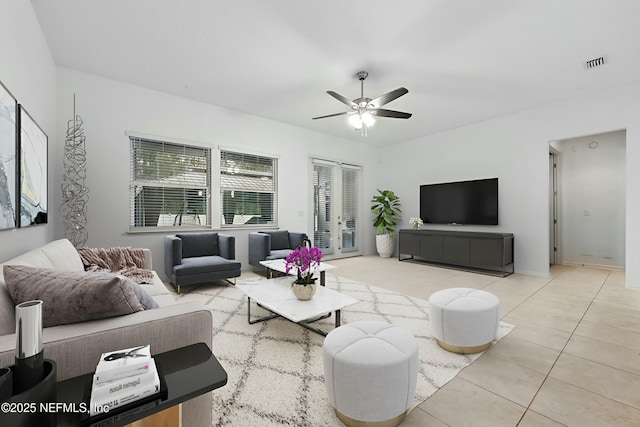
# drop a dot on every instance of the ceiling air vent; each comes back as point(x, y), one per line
point(596, 62)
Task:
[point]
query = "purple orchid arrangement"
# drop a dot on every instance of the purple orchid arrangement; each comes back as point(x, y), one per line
point(305, 260)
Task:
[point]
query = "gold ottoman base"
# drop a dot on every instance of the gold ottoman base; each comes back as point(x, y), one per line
point(393, 422)
point(464, 350)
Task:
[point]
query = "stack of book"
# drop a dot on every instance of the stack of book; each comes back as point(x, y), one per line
point(123, 377)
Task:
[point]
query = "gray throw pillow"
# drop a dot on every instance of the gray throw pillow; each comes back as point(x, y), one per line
point(70, 296)
point(144, 298)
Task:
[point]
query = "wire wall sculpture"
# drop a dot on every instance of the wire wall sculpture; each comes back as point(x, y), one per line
point(75, 195)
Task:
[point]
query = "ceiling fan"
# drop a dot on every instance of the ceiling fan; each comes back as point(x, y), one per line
point(364, 109)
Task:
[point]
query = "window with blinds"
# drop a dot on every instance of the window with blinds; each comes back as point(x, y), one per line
point(248, 190)
point(170, 185)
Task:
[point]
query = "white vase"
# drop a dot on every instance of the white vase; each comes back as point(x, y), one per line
point(303, 292)
point(385, 245)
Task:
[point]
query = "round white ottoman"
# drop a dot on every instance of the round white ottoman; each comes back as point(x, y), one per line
point(464, 320)
point(370, 371)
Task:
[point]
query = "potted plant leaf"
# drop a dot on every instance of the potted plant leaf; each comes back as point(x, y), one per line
point(386, 211)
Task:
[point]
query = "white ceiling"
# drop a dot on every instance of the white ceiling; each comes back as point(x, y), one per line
point(463, 61)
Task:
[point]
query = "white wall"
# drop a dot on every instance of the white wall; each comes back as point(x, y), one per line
point(28, 71)
point(515, 149)
point(591, 199)
point(110, 108)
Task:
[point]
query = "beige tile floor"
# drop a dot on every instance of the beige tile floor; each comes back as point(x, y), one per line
point(573, 358)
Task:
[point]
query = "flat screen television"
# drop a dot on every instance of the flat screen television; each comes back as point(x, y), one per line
point(464, 202)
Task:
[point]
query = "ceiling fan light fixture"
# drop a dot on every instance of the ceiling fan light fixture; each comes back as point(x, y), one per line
point(356, 121)
point(364, 109)
point(367, 119)
point(361, 119)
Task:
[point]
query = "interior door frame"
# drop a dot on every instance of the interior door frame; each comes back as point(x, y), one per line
point(337, 250)
point(553, 205)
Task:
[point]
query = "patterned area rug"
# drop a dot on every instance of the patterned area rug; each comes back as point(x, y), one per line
point(275, 367)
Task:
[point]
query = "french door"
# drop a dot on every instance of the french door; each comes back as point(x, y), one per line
point(336, 208)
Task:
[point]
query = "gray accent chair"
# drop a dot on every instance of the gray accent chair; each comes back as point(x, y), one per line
point(268, 245)
point(194, 258)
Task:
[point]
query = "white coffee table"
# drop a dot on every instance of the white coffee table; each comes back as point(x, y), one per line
point(280, 265)
point(276, 296)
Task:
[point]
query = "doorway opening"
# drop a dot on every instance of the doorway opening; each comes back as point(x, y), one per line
point(587, 197)
point(336, 208)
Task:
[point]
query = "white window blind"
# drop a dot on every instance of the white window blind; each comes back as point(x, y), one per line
point(170, 185)
point(248, 189)
point(350, 204)
point(323, 205)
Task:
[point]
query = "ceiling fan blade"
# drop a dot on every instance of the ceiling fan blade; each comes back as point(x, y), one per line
point(342, 99)
point(330, 115)
point(381, 112)
point(388, 97)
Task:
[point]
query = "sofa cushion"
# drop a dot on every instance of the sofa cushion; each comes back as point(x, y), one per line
point(165, 300)
point(63, 255)
point(143, 297)
point(205, 264)
point(199, 244)
point(279, 254)
point(279, 239)
point(70, 296)
point(7, 312)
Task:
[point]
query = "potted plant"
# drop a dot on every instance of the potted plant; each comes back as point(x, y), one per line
point(386, 211)
point(305, 260)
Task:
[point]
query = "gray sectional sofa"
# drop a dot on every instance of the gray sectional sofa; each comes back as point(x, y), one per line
point(76, 348)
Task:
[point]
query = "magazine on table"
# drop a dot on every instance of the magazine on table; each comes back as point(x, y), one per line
point(120, 392)
point(122, 363)
point(119, 386)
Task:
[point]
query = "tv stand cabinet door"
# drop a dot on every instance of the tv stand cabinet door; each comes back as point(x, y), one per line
point(486, 252)
point(409, 243)
point(456, 250)
point(431, 247)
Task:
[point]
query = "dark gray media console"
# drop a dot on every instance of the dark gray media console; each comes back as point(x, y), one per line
point(489, 253)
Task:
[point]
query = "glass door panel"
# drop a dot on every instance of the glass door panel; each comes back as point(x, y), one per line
point(336, 205)
point(349, 221)
point(323, 184)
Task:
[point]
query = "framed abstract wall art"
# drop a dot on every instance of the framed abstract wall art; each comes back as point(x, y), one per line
point(33, 172)
point(8, 202)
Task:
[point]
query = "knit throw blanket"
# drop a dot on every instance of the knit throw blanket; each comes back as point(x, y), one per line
point(126, 261)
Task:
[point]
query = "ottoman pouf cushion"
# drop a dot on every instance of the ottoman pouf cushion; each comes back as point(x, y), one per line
point(464, 320)
point(370, 370)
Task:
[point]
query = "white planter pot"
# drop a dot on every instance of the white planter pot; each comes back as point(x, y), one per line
point(385, 245)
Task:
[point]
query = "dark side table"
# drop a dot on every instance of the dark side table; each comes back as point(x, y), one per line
point(188, 372)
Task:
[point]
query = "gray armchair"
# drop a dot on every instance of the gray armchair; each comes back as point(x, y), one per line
point(195, 258)
point(267, 245)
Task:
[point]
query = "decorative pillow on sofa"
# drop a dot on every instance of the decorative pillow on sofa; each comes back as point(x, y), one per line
point(143, 297)
point(70, 296)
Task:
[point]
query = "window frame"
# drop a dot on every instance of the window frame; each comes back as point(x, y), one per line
point(134, 184)
point(222, 187)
